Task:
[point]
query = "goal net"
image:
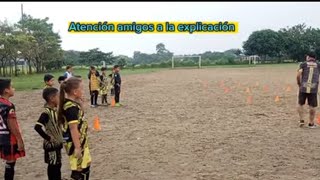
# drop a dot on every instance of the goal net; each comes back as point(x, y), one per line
point(186, 61)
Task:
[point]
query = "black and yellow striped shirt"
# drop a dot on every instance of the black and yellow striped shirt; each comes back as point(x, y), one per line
point(53, 132)
point(74, 114)
point(310, 76)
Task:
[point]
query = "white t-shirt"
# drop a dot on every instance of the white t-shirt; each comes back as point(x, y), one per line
point(68, 74)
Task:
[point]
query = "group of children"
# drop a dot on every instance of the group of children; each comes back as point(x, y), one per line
point(104, 83)
point(61, 124)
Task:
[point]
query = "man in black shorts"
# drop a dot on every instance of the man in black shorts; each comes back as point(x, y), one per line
point(308, 81)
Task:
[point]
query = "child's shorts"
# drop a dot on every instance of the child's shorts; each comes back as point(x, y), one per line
point(82, 163)
point(11, 152)
point(52, 157)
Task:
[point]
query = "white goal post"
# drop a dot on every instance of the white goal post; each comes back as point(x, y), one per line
point(173, 57)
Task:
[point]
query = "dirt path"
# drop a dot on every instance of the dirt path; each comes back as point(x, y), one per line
point(179, 124)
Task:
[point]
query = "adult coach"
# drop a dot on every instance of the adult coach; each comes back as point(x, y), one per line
point(308, 82)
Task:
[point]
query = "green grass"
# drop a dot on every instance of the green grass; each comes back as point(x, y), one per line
point(35, 81)
point(283, 65)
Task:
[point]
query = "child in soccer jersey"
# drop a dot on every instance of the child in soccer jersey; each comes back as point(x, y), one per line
point(104, 86)
point(94, 82)
point(52, 135)
point(61, 79)
point(11, 142)
point(117, 85)
point(111, 84)
point(75, 126)
point(48, 80)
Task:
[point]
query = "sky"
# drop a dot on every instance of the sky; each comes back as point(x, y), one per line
point(252, 16)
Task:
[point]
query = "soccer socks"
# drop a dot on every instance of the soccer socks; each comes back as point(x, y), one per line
point(54, 172)
point(9, 171)
point(85, 173)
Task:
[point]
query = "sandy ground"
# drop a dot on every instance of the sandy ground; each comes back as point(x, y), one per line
point(180, 124)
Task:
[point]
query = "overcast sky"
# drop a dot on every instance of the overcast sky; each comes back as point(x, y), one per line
point(251, 16)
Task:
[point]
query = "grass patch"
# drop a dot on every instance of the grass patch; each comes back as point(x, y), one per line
point(35, 81)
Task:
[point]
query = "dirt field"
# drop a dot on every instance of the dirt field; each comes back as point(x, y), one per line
point(180, 124)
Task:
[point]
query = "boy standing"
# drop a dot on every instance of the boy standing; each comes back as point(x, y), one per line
point(61, 79)
point(111, 87)
point(93, 77)
point(48, 80)
point(68, 73)
point(11, 143)
point(104, 86)
point(117, 85)
point(52, 135)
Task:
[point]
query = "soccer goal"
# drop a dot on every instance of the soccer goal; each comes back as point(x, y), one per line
point(182, 58)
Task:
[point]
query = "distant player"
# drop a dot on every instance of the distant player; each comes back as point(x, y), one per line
point(48, 80)
point(69, 72)
point(308, 82)
point(11, 143)
point(94, 81)
point(104, 86)
point(111, 84)
point(117, 85)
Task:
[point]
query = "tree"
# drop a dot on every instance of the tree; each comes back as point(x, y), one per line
point(5, 32)
point(263, 43)
point(236, 52)
point(161, 49)
point(94, 57)
point(71, 57)
point(47, 47)
point(122, 62)
point(162, 53)
point(294, 41)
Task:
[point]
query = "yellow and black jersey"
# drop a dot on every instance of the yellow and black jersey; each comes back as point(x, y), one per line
point(47, 86)
point(104, 85)
point(310, 71)
point(74, 114)
point(53, 134)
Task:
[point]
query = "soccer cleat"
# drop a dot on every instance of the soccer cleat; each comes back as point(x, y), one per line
point(312, 126)
point(301, 123)
point(118, 105)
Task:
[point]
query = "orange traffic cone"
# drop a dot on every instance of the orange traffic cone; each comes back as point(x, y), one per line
point(277, 99)
point(318, 119)
point(96, 124)
point(248, 90)
point(226, 90)
point(249, 100)
point(288, 89)
point(113, 102)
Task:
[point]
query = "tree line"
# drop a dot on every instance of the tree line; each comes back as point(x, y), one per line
point(287, 43)
point(32, 40)
point(31, 46)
